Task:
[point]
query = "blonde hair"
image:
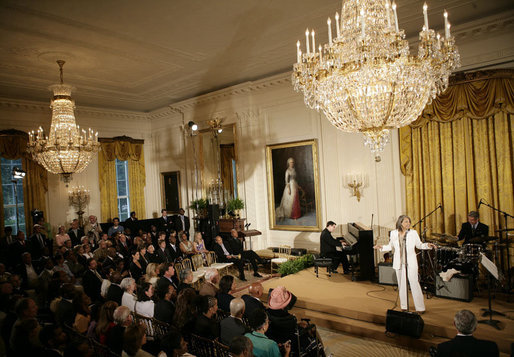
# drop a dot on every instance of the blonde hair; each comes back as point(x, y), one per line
point(151, 271)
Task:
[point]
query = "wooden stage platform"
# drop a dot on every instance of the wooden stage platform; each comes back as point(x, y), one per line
point(359, 308)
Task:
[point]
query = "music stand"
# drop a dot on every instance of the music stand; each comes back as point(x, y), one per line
point(493, 272)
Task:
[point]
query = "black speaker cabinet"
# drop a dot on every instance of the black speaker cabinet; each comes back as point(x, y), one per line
point(460, 287)
point(404, 323)
point(386, 274)
point(214, 212)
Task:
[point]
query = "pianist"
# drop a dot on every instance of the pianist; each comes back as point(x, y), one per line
point(333, 248)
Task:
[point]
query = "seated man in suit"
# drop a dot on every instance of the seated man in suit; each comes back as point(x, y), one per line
point(473, 228)
point(115, 292)
point(253, 299)
point(464, 344)
point(165, 308)
point(206, 325)
point(224, 255)
point(332, 248)
point(249, 255)
point(233, 325)
point(92, 281)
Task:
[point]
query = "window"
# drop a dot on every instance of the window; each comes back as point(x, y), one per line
point(10, 217)
point(123, 189)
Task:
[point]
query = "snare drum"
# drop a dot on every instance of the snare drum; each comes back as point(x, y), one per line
point(472, 251)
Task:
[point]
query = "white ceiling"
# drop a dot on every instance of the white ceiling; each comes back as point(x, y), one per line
point(142, 55)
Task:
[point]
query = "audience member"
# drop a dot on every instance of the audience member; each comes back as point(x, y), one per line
point(253, 299)
point(206, 325)
point(167, 278)
point(75, 232)
point(262, 345)
point(105, 321)
point(115, 292)
point(92, 281)
point(186, 246)
point(136, 269)
point(115, 228)
point(53, 339)
point(65, 311)
point(122, 319)
point(241, 346)
point(133, 339)
point(233, 325)
point(144, 305)
point(164, 307)
point(128, 298)
point(81, 304)
point(227, 285)
point(186, 280)
point(464, 344)
point(185, 311)
point(173, 345)
point(224, 255)
point(61, 237)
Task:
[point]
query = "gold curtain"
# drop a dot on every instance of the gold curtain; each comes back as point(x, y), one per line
point(13, 145)
point(124, 149)
point(461, 150)
point(227, 155)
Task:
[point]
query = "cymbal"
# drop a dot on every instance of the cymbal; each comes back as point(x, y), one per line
point(445, 236)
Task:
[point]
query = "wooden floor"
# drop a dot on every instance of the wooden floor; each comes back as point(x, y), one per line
point(360, 308)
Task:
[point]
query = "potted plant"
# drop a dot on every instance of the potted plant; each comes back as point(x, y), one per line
point(199, 206)
point(234, 205)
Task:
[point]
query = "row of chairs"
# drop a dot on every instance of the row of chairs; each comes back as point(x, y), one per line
point(198, 266)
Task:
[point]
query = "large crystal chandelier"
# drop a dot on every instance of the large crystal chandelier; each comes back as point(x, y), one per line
point(66, 149)
point(364, 79)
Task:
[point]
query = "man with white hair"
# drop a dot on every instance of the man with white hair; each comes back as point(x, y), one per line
point(122, 319)
point(464, 344)
point(93, 227)
point(233, 325)
point(209, 288)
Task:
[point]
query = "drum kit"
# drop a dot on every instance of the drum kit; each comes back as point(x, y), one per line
point(464, 258)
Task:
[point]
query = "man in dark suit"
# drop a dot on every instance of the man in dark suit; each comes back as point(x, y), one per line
point(53, 339)
point(253, 299)
point(236, 244)
point(151, 255)
point(162, 253)
point(165, 308)
point(17, 248)
point(168, 277)
point(132, 222)
point(75, 232)
point(224, 255)
point(181, 222)
point(5, 241)
point(473, 228)
point(115, 292)
point(172, 246)
point(164, 223)
point(28, 272)
point(233, 325)
point(38, 242)
point(92, 281)
point(464, 344)
point(206, 325)
point(332, 248)
point(65, 312)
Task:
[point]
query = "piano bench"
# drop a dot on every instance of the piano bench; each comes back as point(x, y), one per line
point(323, 263)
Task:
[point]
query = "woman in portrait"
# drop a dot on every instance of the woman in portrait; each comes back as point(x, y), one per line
point(290, 203)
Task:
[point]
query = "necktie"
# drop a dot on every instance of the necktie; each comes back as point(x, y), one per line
point(41, 243)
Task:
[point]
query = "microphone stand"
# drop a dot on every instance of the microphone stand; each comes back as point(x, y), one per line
point(427, 278)
point(505, 217)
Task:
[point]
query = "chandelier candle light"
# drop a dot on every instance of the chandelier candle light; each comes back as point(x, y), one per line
point(365, 80)
point(67, 149)
point(79, 198)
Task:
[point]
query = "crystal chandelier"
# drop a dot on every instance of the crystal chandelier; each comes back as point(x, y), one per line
point(67, 149)
point(364, 79)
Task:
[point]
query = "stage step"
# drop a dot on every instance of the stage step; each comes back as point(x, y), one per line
point(367, 329)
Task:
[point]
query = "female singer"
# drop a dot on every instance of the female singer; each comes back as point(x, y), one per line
point(403, 240)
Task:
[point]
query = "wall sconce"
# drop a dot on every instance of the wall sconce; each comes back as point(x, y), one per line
point(193, 126)
point(356, 183)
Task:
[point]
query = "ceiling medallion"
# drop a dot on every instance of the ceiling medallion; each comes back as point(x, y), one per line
point(364, 79)
point(66, 149)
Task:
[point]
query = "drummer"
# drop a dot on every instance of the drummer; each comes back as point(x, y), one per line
point(473, 228)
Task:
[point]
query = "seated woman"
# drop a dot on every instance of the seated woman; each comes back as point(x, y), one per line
point(199, 245)
point(152, 273)
point(133, 339)
point(105, 321)
point(262, 345)
point(187, 247)
point(128, 298)
point(227, 285)
point(145, 305)
point(136, 268)
point(185, 311)
point(173, 345)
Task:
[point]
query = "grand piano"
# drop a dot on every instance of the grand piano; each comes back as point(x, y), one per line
point(360, 240)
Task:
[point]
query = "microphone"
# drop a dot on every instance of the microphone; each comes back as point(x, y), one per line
point(479, 203)
point(441, 207)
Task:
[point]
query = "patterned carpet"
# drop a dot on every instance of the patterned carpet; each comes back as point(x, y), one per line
point(340, 345)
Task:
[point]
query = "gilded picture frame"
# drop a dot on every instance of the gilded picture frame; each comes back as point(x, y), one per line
point(293, 186)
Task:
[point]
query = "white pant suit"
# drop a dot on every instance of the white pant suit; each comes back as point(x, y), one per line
point(412, 242)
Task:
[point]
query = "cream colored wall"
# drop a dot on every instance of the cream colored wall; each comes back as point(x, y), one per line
point(276, 114)
point(27, 116)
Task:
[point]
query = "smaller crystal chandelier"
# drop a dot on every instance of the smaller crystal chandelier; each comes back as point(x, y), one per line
point(79, 198)
point(67, 149)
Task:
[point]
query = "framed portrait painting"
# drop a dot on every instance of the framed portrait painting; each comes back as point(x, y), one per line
point(293, 186)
